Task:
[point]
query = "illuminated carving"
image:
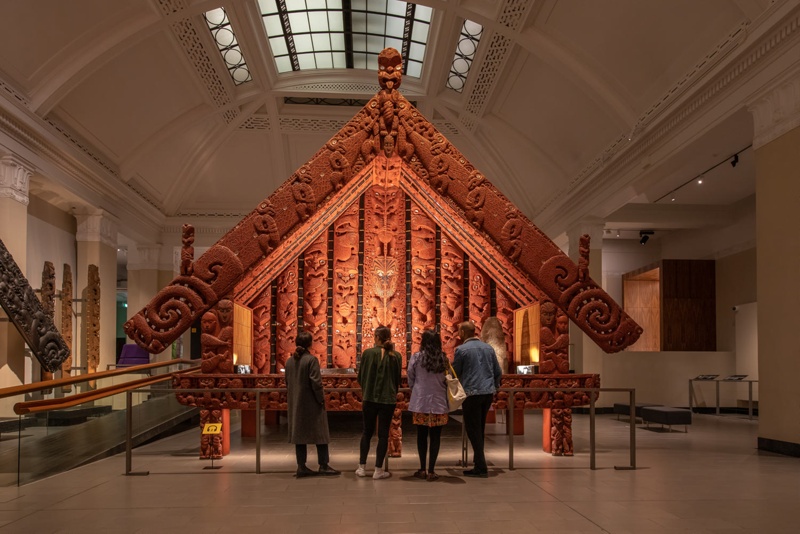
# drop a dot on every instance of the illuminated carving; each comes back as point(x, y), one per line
point(315, 297)
point(187, 250)
point(48, 295)
point(480, 297)
point(262, 317)
point(345, 288)
point(66, 322)
point(451, 300)
point(286, 315)
point(216, 339)
point(423, 275)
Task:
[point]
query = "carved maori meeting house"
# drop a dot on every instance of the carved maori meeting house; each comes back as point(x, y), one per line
point(388, 223)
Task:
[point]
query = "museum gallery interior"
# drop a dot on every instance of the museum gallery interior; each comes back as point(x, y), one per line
point(614, 182)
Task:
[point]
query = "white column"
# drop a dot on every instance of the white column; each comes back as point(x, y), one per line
point(776, 116)
point(585, 355)
point(15, 176)
point(97, 244)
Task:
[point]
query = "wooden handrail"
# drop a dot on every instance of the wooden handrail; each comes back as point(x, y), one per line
point(51, 384)
point(23, 408)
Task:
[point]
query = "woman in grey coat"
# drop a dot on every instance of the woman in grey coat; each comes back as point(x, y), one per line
point(308, 420)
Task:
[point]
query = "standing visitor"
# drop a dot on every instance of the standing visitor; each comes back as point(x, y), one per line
point(308, 420)
point(379, 377)
point(476, 366)
point(426, 372)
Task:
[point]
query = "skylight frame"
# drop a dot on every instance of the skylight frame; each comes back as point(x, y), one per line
point(316, 34)
point(466, 48)
point(228, 45)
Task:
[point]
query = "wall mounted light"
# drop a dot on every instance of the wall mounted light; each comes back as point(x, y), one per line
point(644, 235)
point(735, 160)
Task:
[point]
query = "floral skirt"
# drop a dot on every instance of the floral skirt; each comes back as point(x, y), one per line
point(430, 419)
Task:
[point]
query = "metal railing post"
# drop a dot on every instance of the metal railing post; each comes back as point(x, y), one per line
point(129, 436)
point(510, 431)
point(592, 460)
point(258, 432)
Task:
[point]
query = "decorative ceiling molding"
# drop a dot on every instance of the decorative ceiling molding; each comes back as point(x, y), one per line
point(628, 149)
point(83, 145)
point(308, 124)
point(777, 112)
point(15, 178)
point(256, 122)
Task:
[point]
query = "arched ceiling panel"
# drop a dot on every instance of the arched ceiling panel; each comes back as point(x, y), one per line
point(555, 115)
point(645, 46)
point(133, 97)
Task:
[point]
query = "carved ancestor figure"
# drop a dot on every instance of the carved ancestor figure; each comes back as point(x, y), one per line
point(452, 294)
point(480, 298)
point(286, 315)
point(66, 322)
point(92, 318)
point(216, 339)
point(553, 345)
point(345, 287)
point(476, 198)
point(423, 275)
point(396, 435)
point(315, 296)
point(262, 314)
point(492, 334)
point(48, 296)
point(187, 250)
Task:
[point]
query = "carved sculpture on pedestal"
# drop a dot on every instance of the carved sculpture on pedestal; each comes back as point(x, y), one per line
point(66, 322)
point(92, 321)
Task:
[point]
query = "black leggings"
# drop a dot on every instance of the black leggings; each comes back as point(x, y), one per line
point(383, 413)
point(422, 445)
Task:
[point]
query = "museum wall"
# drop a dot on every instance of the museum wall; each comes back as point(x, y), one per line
point(736, 285)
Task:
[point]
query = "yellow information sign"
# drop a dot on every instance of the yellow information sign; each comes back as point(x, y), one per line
point(212, 428)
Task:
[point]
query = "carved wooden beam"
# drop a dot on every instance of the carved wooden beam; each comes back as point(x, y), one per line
point(19, 301)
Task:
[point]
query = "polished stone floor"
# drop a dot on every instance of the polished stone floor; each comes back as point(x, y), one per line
point(709, 480)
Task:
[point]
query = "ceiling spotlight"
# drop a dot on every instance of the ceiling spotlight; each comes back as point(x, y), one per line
point(735, 160)
point(700, 181)
point(644, 235)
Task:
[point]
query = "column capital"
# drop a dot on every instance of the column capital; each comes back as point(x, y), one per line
point(15, 178)
point(593, 226)
point(777, 111)
point(97, 226)
point(144, 256)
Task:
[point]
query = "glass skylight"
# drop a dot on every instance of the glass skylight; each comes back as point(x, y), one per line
point(222, 31)
point(465, 52)
point(345, 34)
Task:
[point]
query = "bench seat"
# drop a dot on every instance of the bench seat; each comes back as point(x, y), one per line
point(666, 415)
point(624, 408)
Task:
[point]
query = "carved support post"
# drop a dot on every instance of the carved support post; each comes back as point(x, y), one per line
point(66, 322)
point(48, 298)
point(423, 275)
point(345, 287)
point(315, 297)
point(286, 315)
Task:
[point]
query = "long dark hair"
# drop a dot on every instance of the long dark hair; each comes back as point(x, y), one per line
point(303, 341)
point(432, 358)
point(383, 337)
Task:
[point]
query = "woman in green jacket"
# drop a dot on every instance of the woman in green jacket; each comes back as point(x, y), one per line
point(379, 377)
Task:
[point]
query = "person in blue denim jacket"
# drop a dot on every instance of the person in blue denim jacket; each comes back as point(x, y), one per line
point(477, 368)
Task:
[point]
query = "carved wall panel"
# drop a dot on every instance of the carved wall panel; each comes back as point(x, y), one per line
point(345, 287)
point(262, 331)
point(66, 321)
point(384, 274)
point(24, 310)
point(553, 339)
point(451, 298)
point(315, 297)
point(480, 296)
point(216, 339)
point(423, 275)
point(286, 315)
point(48, 302)
point(91, 318)
point(505, 313)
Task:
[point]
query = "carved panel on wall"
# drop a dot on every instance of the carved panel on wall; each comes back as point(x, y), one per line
point(48, 303)
point(451, 299)
point(216, 338)
point(66, 321)
point(480, 296)
point(25, 311)
point(553, 339)
point(315, 297)
point(286, 315)
point(505, 313)
point(262, 331)
point(423, 275)
point(384, 276)
point(91, 317)
point(345, 287)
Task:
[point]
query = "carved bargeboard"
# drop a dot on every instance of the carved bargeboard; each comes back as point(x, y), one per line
point(36, 327)
point(481, 220)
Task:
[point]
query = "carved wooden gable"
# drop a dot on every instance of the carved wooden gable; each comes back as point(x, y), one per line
point(357, 233)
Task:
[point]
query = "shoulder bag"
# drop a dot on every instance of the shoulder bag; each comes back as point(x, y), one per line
point(455, 392)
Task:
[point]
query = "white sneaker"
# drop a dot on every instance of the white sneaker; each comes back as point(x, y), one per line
point(380, 473)
point(362, 470)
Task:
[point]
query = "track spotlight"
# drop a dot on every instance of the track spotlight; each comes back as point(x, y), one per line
point(644, 235)
point(735, 160)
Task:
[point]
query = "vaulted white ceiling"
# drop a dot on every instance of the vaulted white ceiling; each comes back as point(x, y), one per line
point(573, 109)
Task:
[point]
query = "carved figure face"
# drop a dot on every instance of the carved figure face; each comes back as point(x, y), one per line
point(208, 324)
point(548, 314)
point(562, 324)
point(390, 69)
point(225, 311)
